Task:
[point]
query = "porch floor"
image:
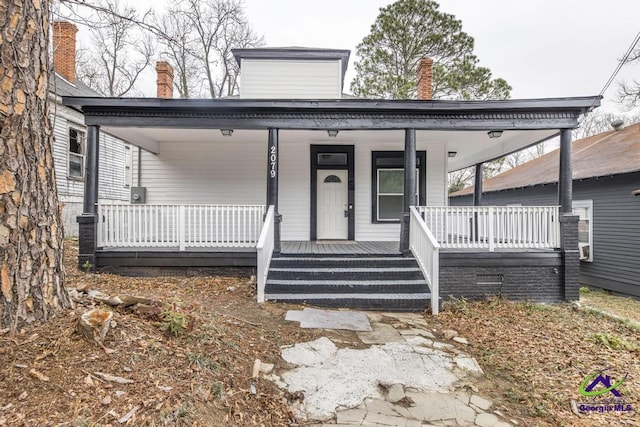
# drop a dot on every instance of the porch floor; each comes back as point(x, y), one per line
point(337, 247)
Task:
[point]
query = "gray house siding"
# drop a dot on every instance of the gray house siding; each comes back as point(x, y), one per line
point(113, 186)
point(616, 226)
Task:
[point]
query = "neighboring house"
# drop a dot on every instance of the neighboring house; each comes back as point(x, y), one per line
point(336, 200)
point(606, 196)
point(117, 159)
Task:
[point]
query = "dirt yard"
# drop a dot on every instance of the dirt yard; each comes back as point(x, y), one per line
point(188, 358)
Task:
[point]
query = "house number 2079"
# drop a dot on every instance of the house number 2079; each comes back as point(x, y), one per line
point(273, 161)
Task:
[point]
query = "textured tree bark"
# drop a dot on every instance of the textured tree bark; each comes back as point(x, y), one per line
point(31, 268)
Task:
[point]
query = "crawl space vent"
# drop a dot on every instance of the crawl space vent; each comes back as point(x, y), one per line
point(490, 279)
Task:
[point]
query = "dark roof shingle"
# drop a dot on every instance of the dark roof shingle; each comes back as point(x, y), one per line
point(608, 153)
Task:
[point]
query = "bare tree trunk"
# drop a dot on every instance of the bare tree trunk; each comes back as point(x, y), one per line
point(31, 269)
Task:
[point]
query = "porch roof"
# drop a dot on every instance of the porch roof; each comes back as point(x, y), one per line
point(527, 121)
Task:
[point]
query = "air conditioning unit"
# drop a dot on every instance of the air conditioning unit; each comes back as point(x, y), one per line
point(138, 194)
point(584, 251)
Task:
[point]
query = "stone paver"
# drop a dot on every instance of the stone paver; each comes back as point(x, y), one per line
point(480, 402)
point(461, 340)
point(440, 406)
point(351, 416)
point(346, 386)
point(379, 406)
point(384, 420)
point(395, 393)
point(418, 340)
point(468, 363)
point(382, 333)
point(490, 420)
point(312, 318)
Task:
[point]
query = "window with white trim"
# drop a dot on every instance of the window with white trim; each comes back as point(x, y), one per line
point(76, 153)
point(388, 184)
point(584, 209)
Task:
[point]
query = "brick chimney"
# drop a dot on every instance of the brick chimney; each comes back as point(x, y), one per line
point(164, 70)
point(64, 50)
point(425, 76)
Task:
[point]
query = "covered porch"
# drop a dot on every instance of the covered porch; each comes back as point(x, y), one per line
point(284, 141)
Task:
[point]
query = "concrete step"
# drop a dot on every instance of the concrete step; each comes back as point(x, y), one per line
point(345, 273)
point(364, 282)
point(344, 262)
point(365, 287)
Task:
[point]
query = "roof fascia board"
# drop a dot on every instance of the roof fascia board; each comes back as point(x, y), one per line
point(577, 104)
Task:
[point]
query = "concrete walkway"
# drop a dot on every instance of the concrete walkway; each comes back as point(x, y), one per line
point(405, 378)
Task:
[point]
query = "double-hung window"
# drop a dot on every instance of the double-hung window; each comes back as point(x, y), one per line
point(584, 209)
point(388, 184)
point(76, 153)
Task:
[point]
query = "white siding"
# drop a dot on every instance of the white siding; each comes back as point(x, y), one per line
point(294, 190)
point(291, 79)
point(208, 173)
point(111, 168)
point(232, 173)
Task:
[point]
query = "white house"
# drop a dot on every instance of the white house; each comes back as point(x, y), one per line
point(352, 191)
point(117, 158)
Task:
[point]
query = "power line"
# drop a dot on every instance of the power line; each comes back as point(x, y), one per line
point(620, 64)
point(623, 61)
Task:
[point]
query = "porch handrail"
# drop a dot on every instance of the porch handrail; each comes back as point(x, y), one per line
point(265, 251)
point(178, 226)
point(426, 250)
point(493, 227)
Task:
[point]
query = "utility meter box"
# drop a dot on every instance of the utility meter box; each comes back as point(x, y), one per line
point(138, 194)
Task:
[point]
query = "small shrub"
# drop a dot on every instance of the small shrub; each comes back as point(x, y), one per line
point(457, 305)
point(610, 341)
point(585, 290)
point(87, 266)
point(174, 323)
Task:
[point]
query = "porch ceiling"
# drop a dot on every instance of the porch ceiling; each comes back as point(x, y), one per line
point(471, 146)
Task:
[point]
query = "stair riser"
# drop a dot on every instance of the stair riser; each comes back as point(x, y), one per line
point(343, 263)
point(337, 289)
point(364, 304)
point(373, 275)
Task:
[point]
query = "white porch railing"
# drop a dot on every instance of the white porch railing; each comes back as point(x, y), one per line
point(426, 251)
point(265, 251)
point(179, 226)
point(493, 227)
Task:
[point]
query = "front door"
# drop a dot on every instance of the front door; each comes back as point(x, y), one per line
point(332, 211)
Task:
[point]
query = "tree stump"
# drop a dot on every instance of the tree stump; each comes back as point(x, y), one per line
point(94, 325)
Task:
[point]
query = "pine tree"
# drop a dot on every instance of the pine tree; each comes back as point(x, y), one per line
point(402, 34)
point(31, 269)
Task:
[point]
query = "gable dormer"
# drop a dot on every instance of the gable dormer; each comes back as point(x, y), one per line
point(291, 73)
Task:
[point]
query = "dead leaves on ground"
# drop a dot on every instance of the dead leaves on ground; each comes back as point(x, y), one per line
point(535, 356)
point(200, 376)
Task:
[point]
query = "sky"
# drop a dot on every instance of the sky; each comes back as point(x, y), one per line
point(543, 48)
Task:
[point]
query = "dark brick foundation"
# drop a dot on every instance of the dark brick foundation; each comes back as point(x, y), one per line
point(87, 240)
point(532, 276)
point(571, 271)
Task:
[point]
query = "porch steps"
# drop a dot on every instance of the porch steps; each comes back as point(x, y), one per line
point(370, 282)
